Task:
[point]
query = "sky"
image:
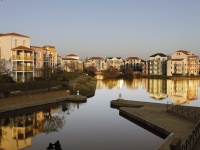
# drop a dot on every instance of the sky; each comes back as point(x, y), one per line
point(106, 28)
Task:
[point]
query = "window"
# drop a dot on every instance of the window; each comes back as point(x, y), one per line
point(24, 42)
point(16, 42)
point(39, 54)
point(38, 64)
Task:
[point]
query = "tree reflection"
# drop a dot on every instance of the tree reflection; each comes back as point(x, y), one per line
point(53, 123)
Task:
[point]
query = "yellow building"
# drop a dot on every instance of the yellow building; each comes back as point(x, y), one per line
point(52, 54)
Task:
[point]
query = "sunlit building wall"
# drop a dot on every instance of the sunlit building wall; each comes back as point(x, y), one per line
point(52, 55)
point(39, 52)
point(16, 56)
point(72, 63)
point(183, 63)
point(96, 62)
point(115, 62)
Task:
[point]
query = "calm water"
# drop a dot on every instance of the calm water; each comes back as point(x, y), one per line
point(94, 125)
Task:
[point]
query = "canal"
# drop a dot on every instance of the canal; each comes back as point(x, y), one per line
point(94, 124)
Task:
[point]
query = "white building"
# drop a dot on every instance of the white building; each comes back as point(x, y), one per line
point(115, 62)
point(72, 63)
point(96, 62)
point(158, 64)
point(8, 41)
point(16, 56)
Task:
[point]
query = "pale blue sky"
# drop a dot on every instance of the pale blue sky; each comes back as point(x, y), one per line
point(106, 28)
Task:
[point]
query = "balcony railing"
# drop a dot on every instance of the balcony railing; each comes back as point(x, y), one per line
point(19, 68)
point(19, 57)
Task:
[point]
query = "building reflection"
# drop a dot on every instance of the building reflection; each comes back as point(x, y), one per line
point(180, 91)
point(134, 84)
point(17, 130)
point(183, 91)
point(157, 88)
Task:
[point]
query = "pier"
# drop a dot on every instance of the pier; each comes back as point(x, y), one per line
point(178, 129)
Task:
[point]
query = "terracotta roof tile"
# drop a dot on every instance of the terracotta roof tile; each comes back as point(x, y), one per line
point(71, 55)
point(97, 58)
point(160, 54)
point(132, 58)
point(14, 34)
point(22, 48)
point(69, 59)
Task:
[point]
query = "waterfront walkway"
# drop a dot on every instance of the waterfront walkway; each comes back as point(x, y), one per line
point(31, 100)
point(156, 116)
point(25, 101)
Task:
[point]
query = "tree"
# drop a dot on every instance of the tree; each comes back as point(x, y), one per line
point(129, 73)
point(111, 72)
point(5, 73)
point(91, 70)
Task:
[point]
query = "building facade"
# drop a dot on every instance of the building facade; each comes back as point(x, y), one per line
point(134, 63)
point(39, 52)
point(72, 63)
point(8, 41)
point(96, 62)
point(158, 64)
point(22, 64)
point(115, 62)
point(183, 63)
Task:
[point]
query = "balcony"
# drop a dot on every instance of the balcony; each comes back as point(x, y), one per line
point(20, 57)
point(20, 68)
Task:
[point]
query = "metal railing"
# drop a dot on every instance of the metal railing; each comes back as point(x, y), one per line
point(185, 111)
point(189, 143)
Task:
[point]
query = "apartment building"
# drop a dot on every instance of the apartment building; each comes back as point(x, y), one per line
point(39, 52)
point(115, 62)
point(17, 58)
point(72, 63)
point(96, 62)
point(158, 64)
point(59, 61)
point(183, 63)
point(134, 63)
point(145, 68)
point(23, 63)
point(50, 56)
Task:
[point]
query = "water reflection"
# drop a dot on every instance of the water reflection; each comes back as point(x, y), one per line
point(158, 88)
point(17, 128)
point(181, 91)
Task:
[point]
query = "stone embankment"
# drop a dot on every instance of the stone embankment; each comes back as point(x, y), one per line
point(25, 101)
point(155, 116)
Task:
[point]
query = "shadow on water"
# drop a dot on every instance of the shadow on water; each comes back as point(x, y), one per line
point(163, 136)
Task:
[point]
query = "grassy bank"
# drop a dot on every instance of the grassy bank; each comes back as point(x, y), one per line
point(86, 86)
